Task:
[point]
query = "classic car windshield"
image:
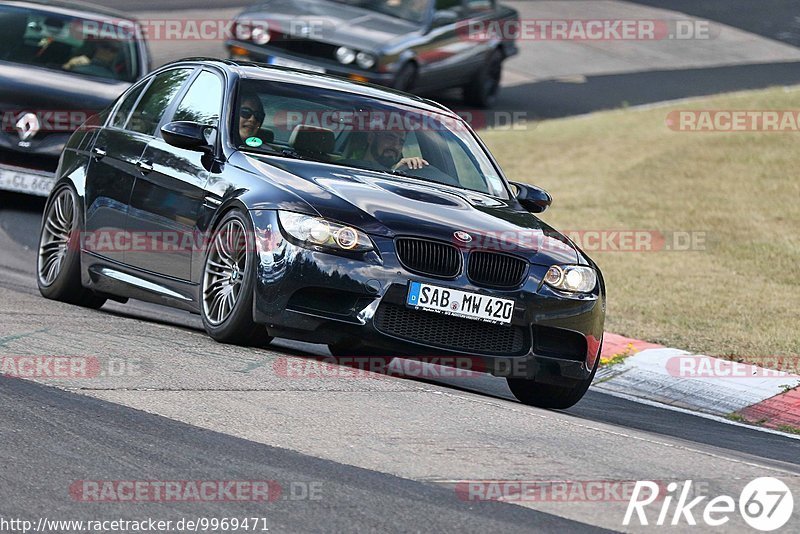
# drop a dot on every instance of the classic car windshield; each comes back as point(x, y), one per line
point(71, 44)
point(358, 131)
point(411, 10)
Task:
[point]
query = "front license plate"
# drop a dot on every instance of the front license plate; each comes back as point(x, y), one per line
point(283, 62)
point(26, 182)
point(459, 303)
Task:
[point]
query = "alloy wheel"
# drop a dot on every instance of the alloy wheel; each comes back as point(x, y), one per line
point(54, 243)
point(225, 271)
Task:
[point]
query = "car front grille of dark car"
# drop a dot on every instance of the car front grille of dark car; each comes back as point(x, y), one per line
point(496, 270)
point(448, 332)
point(430, 258)
point(303, 47)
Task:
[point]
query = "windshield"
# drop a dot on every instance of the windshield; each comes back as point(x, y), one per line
point(71, 44)
point(411, 10)
point(345, 129)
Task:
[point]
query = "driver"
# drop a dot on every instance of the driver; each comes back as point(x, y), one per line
point(101, 62)
point(385, 149)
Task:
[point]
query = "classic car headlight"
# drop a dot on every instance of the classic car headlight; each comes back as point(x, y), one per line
point(345, 55)
point(243, 31)
point(573, 278)
point(260, 35)
point(316, 231)
point(365, 60)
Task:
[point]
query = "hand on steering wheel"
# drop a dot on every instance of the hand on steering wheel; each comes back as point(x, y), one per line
point(411, 163)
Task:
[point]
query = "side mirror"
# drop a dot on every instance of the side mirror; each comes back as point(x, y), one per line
point(188, 135)
point(532, 198)
point(443, 17)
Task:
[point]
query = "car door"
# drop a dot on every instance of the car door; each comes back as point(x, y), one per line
point(168, 197)
point(483, 38)
point(110, 178)
point(444, 59)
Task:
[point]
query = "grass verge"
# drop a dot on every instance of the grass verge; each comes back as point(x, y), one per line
point(737, 296)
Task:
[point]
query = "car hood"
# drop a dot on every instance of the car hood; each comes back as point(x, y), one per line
point(59, 99)
point(386, 205)
point(331, 22)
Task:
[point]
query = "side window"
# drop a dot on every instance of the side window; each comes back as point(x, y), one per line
point(156, 99)
point(468, 174)
point(203, 100)
point(121, 116)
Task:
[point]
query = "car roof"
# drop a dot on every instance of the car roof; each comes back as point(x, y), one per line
point(260, 71)
point(75, 9)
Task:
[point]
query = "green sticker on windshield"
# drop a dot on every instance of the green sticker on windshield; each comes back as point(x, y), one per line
point(253, 141)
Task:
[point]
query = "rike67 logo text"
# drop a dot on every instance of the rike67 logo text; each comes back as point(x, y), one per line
point(765, 504)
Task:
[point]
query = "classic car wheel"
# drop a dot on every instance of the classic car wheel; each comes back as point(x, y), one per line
point(58, 263)
point(228, 281)
point(482, 90)
point(550, 396)
point(404, 80)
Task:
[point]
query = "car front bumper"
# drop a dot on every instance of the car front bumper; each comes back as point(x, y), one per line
point(320, 297)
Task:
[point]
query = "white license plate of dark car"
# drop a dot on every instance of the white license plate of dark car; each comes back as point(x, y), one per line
point(21, 180)
point(459, 303)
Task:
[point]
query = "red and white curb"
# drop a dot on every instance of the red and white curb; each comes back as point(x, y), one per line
point(699, 383)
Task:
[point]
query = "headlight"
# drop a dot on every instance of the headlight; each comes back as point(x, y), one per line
point(260, 35)
point(573, 278)
point(315, 231)
point(345, 55)
point(365, 60)
point(243, 31)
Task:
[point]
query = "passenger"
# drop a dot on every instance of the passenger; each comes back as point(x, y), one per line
point(251, 116)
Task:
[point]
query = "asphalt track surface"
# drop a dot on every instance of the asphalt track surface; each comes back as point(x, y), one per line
point(68, 436)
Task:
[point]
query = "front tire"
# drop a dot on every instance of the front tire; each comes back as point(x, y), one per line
point(229, 273)
point(58, 265)
point(404, 81)
point(482, 91)
point(529, 392)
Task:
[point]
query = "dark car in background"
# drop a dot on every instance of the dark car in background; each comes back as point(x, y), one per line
point(59, 65)
point(417, 46)
point(280, 203)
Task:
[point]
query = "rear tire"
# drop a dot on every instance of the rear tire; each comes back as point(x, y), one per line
point(529, 392)
point(482, 91)
point(227, 289)
point(58, 264)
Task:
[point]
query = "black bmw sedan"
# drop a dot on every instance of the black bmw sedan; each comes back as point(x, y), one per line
point(278, 203)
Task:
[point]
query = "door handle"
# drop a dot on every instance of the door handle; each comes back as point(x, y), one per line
point(99, 153)
point(145, 167)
